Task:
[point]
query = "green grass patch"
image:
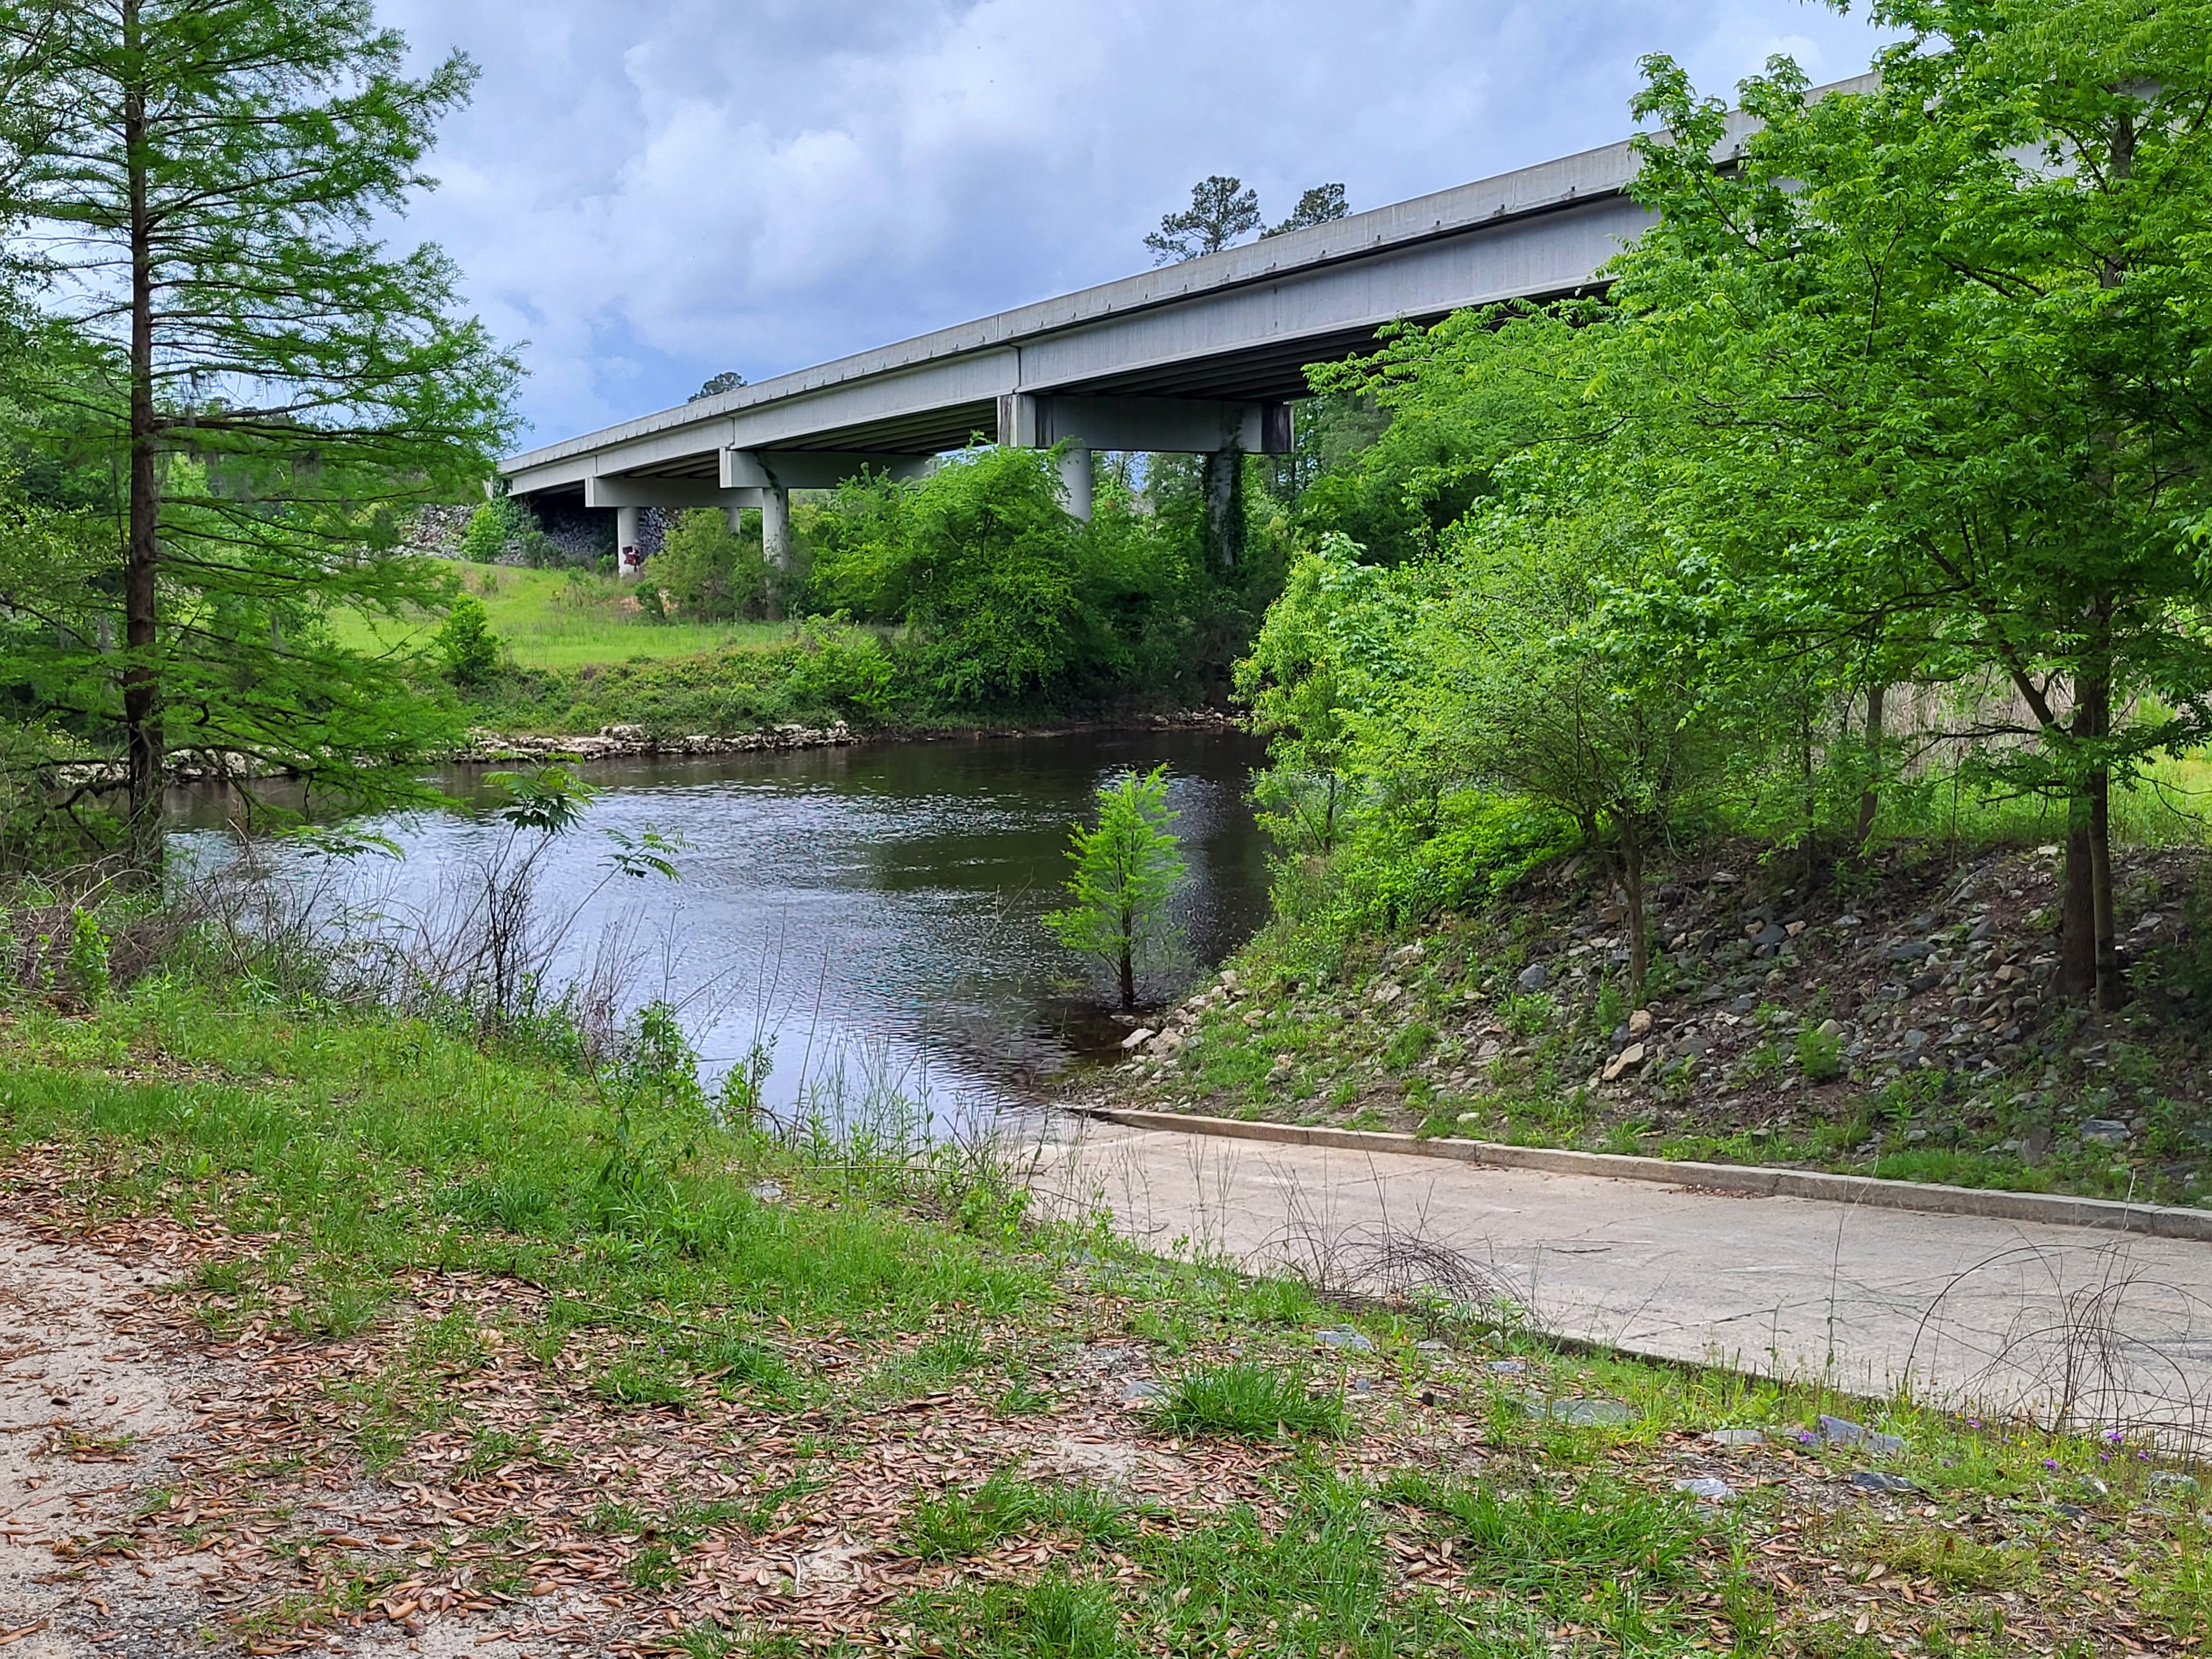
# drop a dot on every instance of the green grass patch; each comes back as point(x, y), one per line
point(966, 1522)
point(1247, 1401)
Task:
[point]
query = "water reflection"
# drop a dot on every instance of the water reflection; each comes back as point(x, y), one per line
point(882, 899)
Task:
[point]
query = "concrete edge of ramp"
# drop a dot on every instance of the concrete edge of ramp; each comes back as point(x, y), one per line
point(1759, 1181)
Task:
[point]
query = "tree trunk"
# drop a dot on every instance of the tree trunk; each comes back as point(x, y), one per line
point(1632, 880)
point(1870, 797)
point(2111, 992)
point(144, 749)
point(2077, 915)
point(1128, 975)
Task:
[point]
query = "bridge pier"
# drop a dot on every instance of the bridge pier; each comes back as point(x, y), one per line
point(775, 525)
point(1075, 480)
point(628, 561)
point(1224, 506)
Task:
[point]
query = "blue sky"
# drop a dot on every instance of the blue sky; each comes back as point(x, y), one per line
point(649, 190)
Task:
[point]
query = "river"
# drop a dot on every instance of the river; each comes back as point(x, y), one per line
point(873, 908)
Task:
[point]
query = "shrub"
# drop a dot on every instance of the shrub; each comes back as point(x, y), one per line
point(710, 572)
point(467, 647)
point(491, 527)
point(838, 669)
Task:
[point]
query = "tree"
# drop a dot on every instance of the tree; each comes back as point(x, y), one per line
point(1127, 866)
point(274, 390)
point(1325, 650)
point(491, 527)
point(1529, 682)
point(467, 647)
point(1321, 205)
point(728, 380)
point(1946, 340)
point(1221, 212)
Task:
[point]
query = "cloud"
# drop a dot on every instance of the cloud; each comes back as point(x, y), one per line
point(652, 190)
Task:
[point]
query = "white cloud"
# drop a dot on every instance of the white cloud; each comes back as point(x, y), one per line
point(649, 190)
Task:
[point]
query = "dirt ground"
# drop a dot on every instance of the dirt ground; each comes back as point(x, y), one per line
point(105, 1408)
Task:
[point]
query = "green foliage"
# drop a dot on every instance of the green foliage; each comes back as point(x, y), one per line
point(491, 527)
point(1409, 1045)
point(709, 571)
point(298, 390)
point(1058, 1617)
point(1003, 597)
point(1820, 1053)
point(1246, 1400)
point(85, 971)
point(823, 672)
point(1128, 867)
point(468, 649)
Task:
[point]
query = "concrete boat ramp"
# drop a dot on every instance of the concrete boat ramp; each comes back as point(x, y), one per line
point(2092, 1325)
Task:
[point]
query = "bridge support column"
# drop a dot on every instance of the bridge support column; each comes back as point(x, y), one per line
point(1224, 507)
point(629, 559)
point(776, 526)
point(1075, 479)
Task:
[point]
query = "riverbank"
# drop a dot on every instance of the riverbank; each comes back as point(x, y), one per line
point(401, 1334)
point(1903, 1028)
point(632, 741)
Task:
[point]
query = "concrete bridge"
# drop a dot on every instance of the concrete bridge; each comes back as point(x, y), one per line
point(1204, 356)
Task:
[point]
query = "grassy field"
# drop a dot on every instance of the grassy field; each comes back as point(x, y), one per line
point(568, 619)
point(575, 1350)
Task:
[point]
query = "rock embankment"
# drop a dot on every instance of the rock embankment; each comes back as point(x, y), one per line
point(1908, 1026)
point(620, 742)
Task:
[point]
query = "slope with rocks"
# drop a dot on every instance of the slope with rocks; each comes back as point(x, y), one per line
point(1898, 1019)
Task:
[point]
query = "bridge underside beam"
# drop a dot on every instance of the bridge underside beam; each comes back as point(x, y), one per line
point(1197, 426)
point(811, 469)
point(664, 492)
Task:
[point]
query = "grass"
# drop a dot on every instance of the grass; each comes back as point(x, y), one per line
point(966, 1522)
point(1246, 1400)
point(565, 619)
point(691, 1387)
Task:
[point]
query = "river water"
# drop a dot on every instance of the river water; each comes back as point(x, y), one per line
point(873, 909)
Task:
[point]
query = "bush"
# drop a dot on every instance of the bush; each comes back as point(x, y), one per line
point(467, 647)
point(837, 668)
point(710, 572)
point(1005, 598)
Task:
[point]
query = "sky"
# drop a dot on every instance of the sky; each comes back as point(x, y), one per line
point(645, 192)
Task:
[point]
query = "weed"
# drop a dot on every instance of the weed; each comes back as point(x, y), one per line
point(738, 1362)
point(1820, 1053)
point(1956, 1563)
point(1528, 1015)
point(654, 1567)
point(637, 1381)
point(1250, 1401)
point(1410, 1045)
